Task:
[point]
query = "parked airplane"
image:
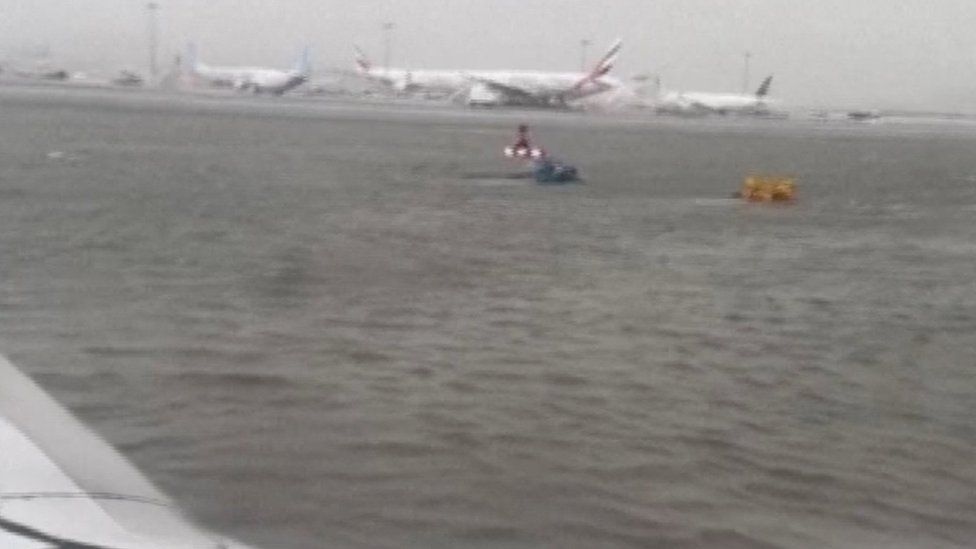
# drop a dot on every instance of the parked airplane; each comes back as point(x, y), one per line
point(254, 79)
point(499, 87)
point(61, 486)
point(702, 103)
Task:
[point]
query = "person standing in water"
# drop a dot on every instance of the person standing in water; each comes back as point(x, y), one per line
point(522, 139)
point(522, 148)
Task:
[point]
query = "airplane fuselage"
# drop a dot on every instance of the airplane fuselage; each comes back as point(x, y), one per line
point(255, 79)
point(718, 103)
point(548, 87)
point(701, 103)
point(500, 87)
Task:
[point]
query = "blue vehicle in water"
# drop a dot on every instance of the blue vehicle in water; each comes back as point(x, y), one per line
point(549, 171)
point(545, 169)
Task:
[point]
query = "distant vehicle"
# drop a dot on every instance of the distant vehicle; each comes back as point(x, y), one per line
point(252, 79)
point(705, 103)
point(43, 72)
point(128, 79)
point(63, 486)
point(499, 87)
point(545, 169)
point(863, 116)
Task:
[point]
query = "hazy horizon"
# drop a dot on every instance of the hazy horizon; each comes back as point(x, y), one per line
point(865, 53)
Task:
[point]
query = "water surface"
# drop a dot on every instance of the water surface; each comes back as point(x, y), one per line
point(328, 325)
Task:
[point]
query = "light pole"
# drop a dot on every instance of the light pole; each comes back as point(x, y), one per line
point(745, 74)
point(152, 8)
point(387, 46)
point(584, 44)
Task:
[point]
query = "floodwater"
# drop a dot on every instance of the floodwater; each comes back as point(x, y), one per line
point(325, 325)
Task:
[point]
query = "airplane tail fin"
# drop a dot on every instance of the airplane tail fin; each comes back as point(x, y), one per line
point(304, 65)
point(604, 65)
point(763, 90)
point(363, 64)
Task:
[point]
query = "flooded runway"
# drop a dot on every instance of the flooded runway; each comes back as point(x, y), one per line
point(313, 327)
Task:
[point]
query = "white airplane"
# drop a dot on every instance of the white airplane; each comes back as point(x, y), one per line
point(254, 79)
point(499, 87)
point(63, 487)
point(702, 103)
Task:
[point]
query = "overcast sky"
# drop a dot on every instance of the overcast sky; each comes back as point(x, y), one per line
point(852, 53)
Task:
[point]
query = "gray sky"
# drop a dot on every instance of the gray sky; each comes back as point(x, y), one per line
point(856, 53)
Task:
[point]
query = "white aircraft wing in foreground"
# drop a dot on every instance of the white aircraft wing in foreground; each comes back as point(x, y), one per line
point(63, 487)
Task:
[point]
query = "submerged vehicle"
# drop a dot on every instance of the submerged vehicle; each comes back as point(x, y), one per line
point(62, 486)
point(768, 188)
point(545, 169)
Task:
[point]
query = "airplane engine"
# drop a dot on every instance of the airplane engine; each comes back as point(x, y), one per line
point(405, 85)
point(480, 95)
point(557, 102)
point(401, 86)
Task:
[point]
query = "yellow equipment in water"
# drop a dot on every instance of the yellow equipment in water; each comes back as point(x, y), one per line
point(768, 188)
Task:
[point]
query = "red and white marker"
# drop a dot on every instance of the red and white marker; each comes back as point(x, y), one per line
point(524, 152)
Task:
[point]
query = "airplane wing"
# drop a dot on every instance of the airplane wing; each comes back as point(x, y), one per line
point(62, 487)
point(511, 92)
point(701, 106)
